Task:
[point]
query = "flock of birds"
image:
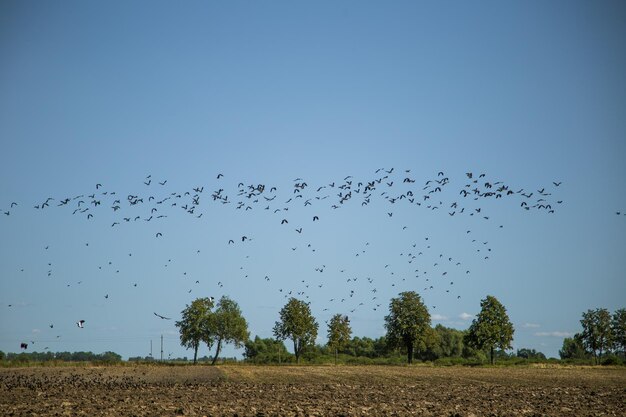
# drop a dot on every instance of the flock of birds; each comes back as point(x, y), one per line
point(300, 208)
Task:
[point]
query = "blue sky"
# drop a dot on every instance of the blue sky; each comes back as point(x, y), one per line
point(528, 93)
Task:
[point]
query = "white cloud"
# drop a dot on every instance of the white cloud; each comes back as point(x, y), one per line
point(438, 317)
point(35, 331)
point(530, 325)
point(465, 316)
point(554, 334)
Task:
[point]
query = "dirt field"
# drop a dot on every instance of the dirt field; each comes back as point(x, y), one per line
point(311, 391)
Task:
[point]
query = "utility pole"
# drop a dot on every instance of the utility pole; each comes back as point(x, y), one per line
point(151, 348)
point(161, 348)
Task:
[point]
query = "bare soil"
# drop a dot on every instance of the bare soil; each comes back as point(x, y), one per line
point(239, 390)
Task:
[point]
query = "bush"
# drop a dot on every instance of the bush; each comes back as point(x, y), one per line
point(453, 361)
point(611, 360)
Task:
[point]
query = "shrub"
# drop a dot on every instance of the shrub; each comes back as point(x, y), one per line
point(611, 360)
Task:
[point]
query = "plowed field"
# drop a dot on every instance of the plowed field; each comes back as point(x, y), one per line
point(311, 391)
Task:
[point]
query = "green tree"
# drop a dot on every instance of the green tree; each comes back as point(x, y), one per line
point(619, 330)
point(359, 346)
point(195, 325)
point(227, 325)
point(110, 357)
point(339, 332)
point(296, 323)
point(266, 350)
point(491, 328)
point(597, 332)
point(530, 354)
point(408, 323)
point(573, 348)
point(448, 343)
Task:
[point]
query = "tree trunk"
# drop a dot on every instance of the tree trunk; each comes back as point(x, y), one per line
point(410, 353)
point(195, 353)
point(217, 351)
point(492, 361)
point(335, 356)
point(296, 351)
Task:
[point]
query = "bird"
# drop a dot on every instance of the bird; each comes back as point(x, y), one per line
point(23, 345)
point(81, 324)
point(159, 234)
point(162, 317)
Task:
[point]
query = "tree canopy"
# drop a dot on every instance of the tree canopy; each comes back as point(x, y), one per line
point(266, 350)
point(296, 323)
point(408, 323)
point(227, 325)
point(619, 330)
point(597, 333)
point(491, 328)
point(339, 332)
point(195, 325)
point(573, 348)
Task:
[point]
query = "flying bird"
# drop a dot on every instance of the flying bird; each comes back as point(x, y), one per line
point(81, 324)
point(162, 317)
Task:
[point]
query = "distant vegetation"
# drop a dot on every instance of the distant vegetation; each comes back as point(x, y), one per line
point(409, 337)
point(23, 357)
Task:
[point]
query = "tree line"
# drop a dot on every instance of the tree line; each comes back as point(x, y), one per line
point(602, 334)
point(106, 357)
point(409, 336)
point(408, 325)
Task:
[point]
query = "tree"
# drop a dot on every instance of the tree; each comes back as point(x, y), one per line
point(491, 328)
point(110, 357)
point(619, 330)
point(597, 333)
point(339, 332)
point(266, 351)
point(296, 323)
point(526, 353)
point(195, 325)
point(408, 323)
point(573, 348)
point(227, 325)
point(448, 343)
